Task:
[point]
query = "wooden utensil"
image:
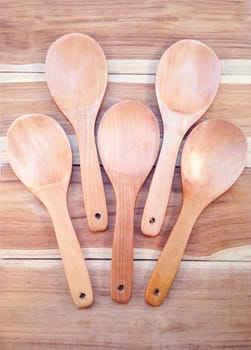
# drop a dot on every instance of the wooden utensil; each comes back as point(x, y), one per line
point(76, 73)
point(212, 160)
point(128, 141)
point(40, 155)
point(187, 80)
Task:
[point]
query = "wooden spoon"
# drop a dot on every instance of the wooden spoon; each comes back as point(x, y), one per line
point(212, 160)
point(40, 155)
point(187, 80)
point(76, 73)
point(128, 141)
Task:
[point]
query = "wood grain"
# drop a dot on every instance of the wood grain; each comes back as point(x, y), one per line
point(209, 304)
point(225, 224)
point(232, 102)
point(124, 29)
point(214, 314)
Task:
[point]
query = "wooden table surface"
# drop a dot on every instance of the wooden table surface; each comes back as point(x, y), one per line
point(209, 305)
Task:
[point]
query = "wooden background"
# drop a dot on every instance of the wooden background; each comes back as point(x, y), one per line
point(209, 306)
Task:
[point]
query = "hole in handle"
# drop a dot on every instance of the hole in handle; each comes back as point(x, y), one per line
point(82, 295)
point(152, 221)
point(156, 292)
point(97, 216)
point(121, 287)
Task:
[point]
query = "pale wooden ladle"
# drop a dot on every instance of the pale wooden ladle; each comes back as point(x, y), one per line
point(187, 80)
point(40, 155)
point(212, 160)
point(128, 142)
point(76, 74)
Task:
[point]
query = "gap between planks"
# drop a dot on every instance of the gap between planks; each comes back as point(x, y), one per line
point(237, 254)
point(234, 71)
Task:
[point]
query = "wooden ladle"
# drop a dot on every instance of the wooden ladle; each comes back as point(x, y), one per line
point(212, 160)
point(40, 155)
point(76, 73)
point(128, 141)
point(187, 80)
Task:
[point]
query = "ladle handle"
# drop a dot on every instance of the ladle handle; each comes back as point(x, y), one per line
point(122, 249)
point(159, 191)
point(168, 264)
point(92, 183)
point(71, 254)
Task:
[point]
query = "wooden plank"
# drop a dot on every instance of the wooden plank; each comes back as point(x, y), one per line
point(75, 151)
point(232, 102)
point(225, 224)
point(36, 310)
point(124, 29)
point(209, 304)
point(133, 67)
point(240, 253)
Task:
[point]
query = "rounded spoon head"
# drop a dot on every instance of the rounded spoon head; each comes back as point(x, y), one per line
point(76, 74)
point(39, 151)
point(187, 78)
point(128, 140)
point(213, 158)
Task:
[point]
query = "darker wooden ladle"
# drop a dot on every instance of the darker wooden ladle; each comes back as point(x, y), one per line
point(187, 80)
point(128, 141)
point(76, 74)
point(212, 160)
point(40, 155)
